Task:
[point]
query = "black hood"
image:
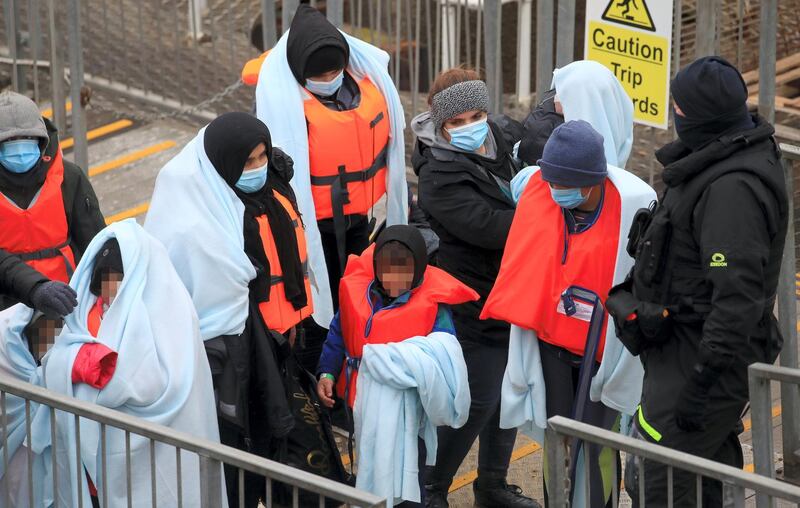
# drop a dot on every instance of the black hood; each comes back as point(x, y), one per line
point(310, 32)
point(681, 163)
point(412, 239)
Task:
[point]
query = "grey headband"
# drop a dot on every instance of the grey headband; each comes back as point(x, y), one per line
point(459, 98)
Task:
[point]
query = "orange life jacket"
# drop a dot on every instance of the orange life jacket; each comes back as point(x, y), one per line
point(95, 317)
point(252, 69)
point(539, 264)
point(279, 314)
point(347, 153)
point(413, 318)
point(39, 235)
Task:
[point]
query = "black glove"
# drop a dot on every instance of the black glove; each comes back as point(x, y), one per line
point(690, 411)
point(54, 298)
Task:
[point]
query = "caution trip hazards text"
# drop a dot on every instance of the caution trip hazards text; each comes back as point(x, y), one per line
point(641, 63)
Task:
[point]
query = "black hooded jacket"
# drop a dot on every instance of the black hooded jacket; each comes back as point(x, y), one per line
point(84, 219)
point(472, 217)
point(725, 250)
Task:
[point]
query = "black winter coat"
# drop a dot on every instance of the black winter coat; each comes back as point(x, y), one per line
point(84, 219)
point(17, 280)
point(472, 217)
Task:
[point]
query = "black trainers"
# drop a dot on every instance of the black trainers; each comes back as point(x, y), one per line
point(499, 494)
point(435, 498)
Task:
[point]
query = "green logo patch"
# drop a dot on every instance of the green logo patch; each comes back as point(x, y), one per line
point(718, 260)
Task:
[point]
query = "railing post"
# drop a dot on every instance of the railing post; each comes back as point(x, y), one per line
point(524, 35)
point(211, 482)
point(287, 12)
point(565, 45)
point(11, 14)
point(544, 46)
point(492, 20)
point(732, 496)
point(787, 312)
point(335, 12)
point(761, 416)
point(558, 486)
point(81, 153)
point(57, 72)
point(268, 29)
point(766, 59)
point(706, 28)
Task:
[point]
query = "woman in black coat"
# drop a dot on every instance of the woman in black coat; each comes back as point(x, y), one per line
point(464, 166)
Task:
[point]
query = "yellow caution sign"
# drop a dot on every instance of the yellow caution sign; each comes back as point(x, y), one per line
point(629, 12)
point(635, 44)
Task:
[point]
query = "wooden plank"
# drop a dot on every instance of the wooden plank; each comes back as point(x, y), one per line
point(781, 66)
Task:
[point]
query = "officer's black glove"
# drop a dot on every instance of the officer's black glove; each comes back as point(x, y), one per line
point(690, 411)
point(54, 298)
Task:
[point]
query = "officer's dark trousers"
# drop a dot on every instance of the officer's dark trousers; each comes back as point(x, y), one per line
point(667, 369)
point(356, 240)
point(561, 371)
point(485, 368)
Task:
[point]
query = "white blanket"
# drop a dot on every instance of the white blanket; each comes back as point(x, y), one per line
point(17, 362)
point(405, 390)
point(199, 219)
point(279, 104)
point(162, 375)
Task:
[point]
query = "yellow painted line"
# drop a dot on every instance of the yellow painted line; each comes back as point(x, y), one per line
point(48, 113)
point(99, 132)
point(131, 157)
point(748, 424)
point(466, 479)
point(127, 214)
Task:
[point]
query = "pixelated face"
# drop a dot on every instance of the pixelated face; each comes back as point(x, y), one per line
point(43, 335)
point(395, 269)
point(109, 286)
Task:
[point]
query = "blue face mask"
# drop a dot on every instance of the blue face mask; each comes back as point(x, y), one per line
point(568, 198)
point(20, 155)
point(253, 180)
point(469, 137)
point(325, 88)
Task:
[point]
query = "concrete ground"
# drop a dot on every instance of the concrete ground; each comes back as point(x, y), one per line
point(123, 167)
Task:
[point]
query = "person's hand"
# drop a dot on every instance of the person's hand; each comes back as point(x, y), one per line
point(54, 299)
point(325, 391)
point(292, 336)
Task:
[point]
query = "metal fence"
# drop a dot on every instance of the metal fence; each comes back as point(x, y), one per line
point(736, 482)
point(211, 455)
point(761, 376)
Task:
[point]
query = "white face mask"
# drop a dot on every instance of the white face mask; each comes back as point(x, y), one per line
point(325, 88)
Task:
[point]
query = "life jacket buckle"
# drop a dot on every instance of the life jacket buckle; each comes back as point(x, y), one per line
point(570, 309)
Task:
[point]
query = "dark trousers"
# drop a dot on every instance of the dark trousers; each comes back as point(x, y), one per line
point(561, 371)
point(667, 370)
point(485, 368)
point(356, 239)
point(254, 485)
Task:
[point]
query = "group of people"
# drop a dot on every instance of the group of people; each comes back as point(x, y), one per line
point(532, 276)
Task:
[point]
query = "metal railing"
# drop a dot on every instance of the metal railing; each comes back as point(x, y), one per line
point(561, 431)
point(761, 375)
point(211, 455)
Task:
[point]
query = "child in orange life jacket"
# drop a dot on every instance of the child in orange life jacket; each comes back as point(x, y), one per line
point(388, 294)
point(396, 278)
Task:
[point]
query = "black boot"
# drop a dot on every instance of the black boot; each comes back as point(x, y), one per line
point(496, 493)
point(435, 498)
